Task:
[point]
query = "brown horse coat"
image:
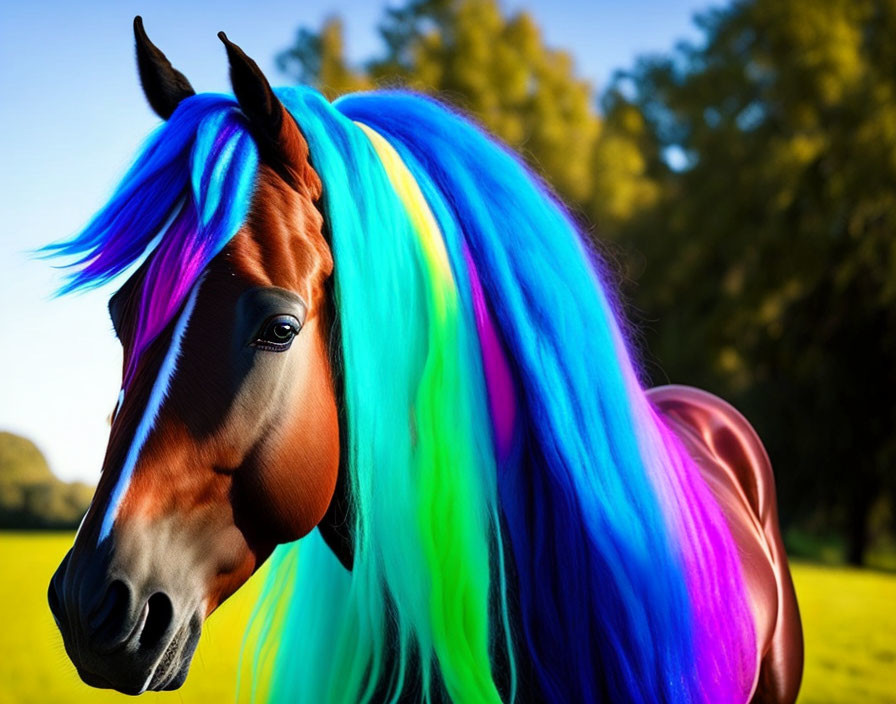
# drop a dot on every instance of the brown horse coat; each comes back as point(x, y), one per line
point(738, 472)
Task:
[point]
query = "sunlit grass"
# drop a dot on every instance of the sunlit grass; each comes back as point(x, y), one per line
point(849, 617)
point(849, 621)
point(33, 665)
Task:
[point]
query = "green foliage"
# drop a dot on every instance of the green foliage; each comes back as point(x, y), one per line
point(21, 461)
point(772, 256)
point(495, 67)
point(319, 58)
point(30, 496)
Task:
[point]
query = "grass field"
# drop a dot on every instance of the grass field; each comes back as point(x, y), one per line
point(849, 617)
point(34, 668)
point(849, 622)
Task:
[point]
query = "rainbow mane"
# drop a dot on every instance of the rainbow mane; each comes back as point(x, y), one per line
point(522, 517)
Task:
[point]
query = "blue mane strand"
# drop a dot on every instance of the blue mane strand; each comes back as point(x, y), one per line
point(175, 164)
point(604, 598)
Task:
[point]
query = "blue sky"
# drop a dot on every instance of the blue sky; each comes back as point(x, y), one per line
point(72, 116)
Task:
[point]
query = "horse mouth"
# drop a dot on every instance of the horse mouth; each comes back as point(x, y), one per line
point(172, 668)
point(168, 673)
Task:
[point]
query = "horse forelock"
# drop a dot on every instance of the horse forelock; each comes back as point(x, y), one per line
point(185, 197)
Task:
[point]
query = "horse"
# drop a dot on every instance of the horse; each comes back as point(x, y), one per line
point(371, 318)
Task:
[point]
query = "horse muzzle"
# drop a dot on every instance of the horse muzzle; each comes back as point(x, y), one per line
point(123, 626)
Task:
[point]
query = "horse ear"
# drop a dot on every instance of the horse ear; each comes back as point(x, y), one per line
point(276, 133)
point(163, 85)
point(254, 93)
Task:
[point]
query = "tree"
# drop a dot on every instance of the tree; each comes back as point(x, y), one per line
point(772, 249)
point(494, 67)
point(318, 58)
point(30, 495)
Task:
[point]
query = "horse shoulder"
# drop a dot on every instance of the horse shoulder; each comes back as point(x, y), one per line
point(737, 470)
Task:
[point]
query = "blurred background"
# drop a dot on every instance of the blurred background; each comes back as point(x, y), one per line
point(735, 163)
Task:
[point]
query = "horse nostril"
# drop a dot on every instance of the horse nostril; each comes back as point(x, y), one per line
point(161, 613)
point(108, 619)
point(115, 624)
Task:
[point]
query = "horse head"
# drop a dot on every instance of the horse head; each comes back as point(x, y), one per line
point(225, 440)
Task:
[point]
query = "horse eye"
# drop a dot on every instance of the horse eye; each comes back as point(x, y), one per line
point(277, 333)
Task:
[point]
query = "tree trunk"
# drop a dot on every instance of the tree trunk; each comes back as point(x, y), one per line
point(857, 526)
